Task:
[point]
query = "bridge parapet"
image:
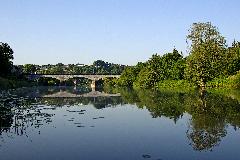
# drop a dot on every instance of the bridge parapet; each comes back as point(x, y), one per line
point(63, 77)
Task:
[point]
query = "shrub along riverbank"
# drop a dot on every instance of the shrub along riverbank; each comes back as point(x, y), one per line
point(231, 82)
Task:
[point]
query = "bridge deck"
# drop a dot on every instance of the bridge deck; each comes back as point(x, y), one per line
point(69, 76)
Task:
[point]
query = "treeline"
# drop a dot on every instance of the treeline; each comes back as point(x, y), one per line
point(98, 67)
point(210, 63)
point(13, 76)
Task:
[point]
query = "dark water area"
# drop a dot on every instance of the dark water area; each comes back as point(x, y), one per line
point(73, 123)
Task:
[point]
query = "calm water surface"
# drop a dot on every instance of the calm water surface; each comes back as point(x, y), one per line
point(66, 123)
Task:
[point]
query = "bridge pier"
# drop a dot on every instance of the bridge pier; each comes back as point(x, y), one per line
point(75, 82)
point(93, 85)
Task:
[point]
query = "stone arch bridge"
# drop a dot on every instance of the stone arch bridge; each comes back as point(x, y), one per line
point(64, 77)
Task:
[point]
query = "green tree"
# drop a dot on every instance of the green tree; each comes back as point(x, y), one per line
point(6, 57)
point(100, 63)
point(29, 68)
point(151, 74)
point(233, 59)
point(173, 65)
point(207, 53)
point(127, 77)
point(58, 69)
point(130, 74)
point(158, 68)
point(147, 78)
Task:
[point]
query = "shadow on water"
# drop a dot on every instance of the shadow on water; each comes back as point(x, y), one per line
point(210, 113)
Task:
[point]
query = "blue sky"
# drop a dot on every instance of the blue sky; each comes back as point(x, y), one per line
point(117, 31)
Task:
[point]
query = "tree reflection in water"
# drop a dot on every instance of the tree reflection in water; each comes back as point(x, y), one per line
point(210, 113)
point(6, 118)
point(17, 114)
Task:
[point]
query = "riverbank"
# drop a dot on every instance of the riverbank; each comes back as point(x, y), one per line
point(14, 83)
point(231, 82)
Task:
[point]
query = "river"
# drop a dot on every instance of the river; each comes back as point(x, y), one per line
point(60, 123)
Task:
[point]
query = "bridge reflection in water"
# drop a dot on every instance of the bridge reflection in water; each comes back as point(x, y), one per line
point(62, 91)
point(67, 94)
point(61, 96)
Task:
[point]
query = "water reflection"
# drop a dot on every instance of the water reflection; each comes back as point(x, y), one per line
point(210, 115)
point(30, 107)
point(18, 114)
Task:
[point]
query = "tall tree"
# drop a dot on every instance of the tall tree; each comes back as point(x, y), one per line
point(6, 57)
point(207, 53)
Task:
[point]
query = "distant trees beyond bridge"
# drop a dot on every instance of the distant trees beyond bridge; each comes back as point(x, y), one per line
point(64, 77)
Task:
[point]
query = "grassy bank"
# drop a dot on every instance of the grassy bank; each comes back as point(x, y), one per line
point(232, 82)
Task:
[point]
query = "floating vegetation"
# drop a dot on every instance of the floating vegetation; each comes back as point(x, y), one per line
point(80, 126)
point(146, 156)
point(77, 123)
point(101, 117)
point(98, 117)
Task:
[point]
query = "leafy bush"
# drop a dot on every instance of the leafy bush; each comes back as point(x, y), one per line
point(176, 84)
point(229, 82)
